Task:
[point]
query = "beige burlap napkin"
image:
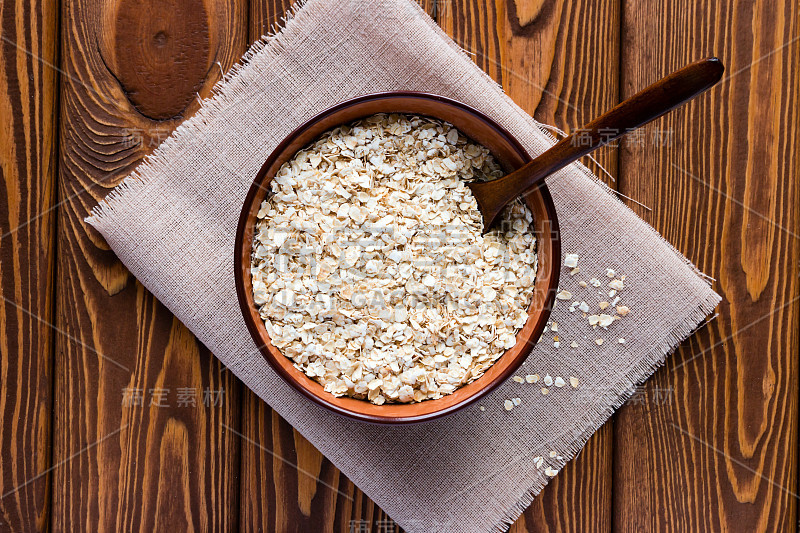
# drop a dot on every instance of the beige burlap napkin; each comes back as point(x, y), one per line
point(172, 223)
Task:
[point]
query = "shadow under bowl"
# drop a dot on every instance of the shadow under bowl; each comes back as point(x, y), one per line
point(508, 153)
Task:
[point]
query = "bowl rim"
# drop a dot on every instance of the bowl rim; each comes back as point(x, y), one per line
point(239, 268)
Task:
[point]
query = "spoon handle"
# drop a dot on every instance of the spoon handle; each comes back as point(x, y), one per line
point(645, 106)
point(641, 108)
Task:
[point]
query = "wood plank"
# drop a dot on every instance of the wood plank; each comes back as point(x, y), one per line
point(286, 483)
point(716, 449)
point(132, 71)
point(267, 16)
point(559, 62)
point(28, 103)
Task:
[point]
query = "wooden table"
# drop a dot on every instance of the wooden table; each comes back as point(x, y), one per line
point(115, 418)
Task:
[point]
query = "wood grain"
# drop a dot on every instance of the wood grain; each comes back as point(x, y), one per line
point(131, 74)
point(542, 66)
point(711, 445)
point(286, 483)
point(721, 453)
point(527, 11)
point(28, 103)
point(266, 17)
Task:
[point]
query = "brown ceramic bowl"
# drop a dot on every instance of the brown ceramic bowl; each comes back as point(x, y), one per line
point(507, 151)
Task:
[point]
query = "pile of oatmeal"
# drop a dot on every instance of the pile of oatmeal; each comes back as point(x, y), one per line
point(369, 267)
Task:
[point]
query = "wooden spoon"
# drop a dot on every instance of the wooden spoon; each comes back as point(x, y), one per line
point(641, 108)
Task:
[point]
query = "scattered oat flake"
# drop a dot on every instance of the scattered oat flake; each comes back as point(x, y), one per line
point(574, 382)
point(616, 284)
point(605, 320)
point(554, 327)
point(559, 382)
point(584, 307)
point(582, 283)
point(508, 404)
point(610, 273)
point(573, 344)
point(550, 472)
point(594, 282)
point(622, 310)
point(598, 341)
point(532, 378)
point(574, 271)
point(564, 295)
point(545, 391)
point(482, 408)
point(548, 380)
point(516, 401)
point(553, 453)
point(621, 341)
point(539, 461)
point(603, 305)
point(518, 379)
point(571, 260)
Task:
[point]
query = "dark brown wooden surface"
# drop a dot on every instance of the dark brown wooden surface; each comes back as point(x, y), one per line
point(708, 445)
point(719, 452)
point(28, 103)
point(131, 73)
point(542, 67)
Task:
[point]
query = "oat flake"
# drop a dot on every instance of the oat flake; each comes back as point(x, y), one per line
point(369, 267)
